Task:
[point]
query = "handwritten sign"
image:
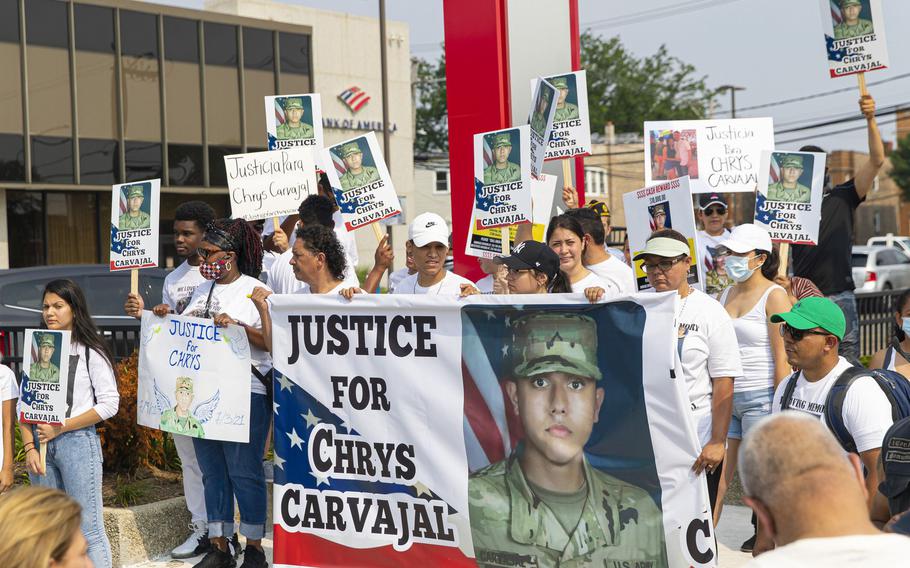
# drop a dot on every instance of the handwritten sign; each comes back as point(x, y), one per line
point(269, 184)
point(134, 224)
point(45, 372)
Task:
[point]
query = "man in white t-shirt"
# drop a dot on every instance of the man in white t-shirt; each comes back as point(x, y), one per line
point(9, 392)
point(712, 213)
point(810, 500)
point(428, 238)
point(597, 259)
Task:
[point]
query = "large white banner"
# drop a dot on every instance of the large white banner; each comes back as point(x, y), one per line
point(854, 36)
point(45, 383)
point(194, 378)
point(134, 224)
point(270, 184)
point(409, 429)
point(788, 202)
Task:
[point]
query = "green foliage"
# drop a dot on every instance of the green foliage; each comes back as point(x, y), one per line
point(431, 120)
point(127, 493)
point(900, 166)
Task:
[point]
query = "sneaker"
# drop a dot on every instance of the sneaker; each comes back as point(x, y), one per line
point(748, 545)
point(235, 545)
point(197, 543)
point(216, 559)
point(253, 558)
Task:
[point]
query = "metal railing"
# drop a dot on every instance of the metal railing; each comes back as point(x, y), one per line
point(876, 319)
point(122, 339)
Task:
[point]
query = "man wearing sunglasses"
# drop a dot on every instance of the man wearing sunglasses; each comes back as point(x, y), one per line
point(712, 212)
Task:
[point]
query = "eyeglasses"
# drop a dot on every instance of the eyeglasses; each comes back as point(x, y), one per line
point(798, 334)
point(663, 265)
point(715, 211)
point(205, 253)
point(516, 272)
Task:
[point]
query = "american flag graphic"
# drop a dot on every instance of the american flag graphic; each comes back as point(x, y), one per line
point(835, 11)
point(279, 113)
point(354, 98)
point(487, 152)
point(338, 163)
point(123, 202)
point(775, 168)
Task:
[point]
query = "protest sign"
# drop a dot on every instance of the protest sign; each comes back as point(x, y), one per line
point(502, 178)
point(361, 182)
point(487, 243)
point(854, 36)
point(293, 120)
point(664, 206)
point(571, 134)
point(46, 364)
point(543, 109)
point(194, 378)
point(134, 224)
point(789, 199)
point(717, 155)
point(401, 422)
point(270, 184)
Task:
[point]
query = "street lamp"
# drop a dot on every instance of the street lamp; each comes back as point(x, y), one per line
point(732, 89)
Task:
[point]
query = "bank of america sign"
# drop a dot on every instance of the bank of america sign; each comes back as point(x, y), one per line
point(354, 98)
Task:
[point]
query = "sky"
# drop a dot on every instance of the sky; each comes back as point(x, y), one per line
point(773, 48)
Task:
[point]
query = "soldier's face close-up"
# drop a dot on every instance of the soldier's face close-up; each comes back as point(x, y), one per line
point(46, 352)
point(184, 398)
point(790, 174)
point(851, 12)
point(501, 154)
point(135, 202)
point(294, 115)
point(557, 412)
point(660, 219)
point(563, 93)
point(353, 161)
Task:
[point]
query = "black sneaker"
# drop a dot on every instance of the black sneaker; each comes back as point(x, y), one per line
point(748, 545)
point(216, 559)
point(235, 545)
point(253, 558)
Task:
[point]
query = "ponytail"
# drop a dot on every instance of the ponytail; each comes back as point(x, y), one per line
point(772, 264)
point(559, 284)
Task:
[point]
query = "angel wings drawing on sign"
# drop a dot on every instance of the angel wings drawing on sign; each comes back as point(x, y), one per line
point(177, 418)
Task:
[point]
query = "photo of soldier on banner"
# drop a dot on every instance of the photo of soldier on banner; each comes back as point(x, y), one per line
point(293, 120)
point(789, 199)
point(571, 133)
point(134, 224)
point(854, 36)
point(269, 184)
point(543, 109)
point(502, 178)
point(45, 372)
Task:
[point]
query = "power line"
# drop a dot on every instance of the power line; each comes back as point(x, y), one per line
point(656, 13)
point(833, 132)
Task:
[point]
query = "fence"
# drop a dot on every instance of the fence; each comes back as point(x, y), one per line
point(122, 340)
point(876, 320)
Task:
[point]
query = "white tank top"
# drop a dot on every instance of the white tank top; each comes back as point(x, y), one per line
point(754, 345)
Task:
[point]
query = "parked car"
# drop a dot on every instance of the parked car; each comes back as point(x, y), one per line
point(879, 268)
point(889, 240)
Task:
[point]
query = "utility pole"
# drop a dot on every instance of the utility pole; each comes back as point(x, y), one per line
point(384, 73)
point(736, 199)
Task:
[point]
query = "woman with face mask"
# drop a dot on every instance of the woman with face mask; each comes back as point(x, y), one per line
point(896, 357)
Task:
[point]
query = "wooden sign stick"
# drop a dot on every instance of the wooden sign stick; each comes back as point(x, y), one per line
point(134, 287)
point(784, 253)
point(861, 79)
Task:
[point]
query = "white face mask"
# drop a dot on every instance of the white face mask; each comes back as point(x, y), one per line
point(905, 325)
point(737, 268)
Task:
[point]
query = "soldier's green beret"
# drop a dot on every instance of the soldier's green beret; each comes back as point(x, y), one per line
point(46, 339)
point(185, 383)
point(546, 343)
point(792, 161)
point(845, 3)
point(560, 83)
point(293, 102)
point(350, 148)
point(502, 139)
point(134, 191)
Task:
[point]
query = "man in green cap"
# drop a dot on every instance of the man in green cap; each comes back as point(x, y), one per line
point(539, 118)
point(564, 110)
point(43, 370)
point(852, 25)
point(356, 174)
point(545, 505)
point(501, 170)
point(788, 187)
point(180, 420)
point(135, 217)
point(294, 128)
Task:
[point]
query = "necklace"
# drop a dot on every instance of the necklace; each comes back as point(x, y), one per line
point(438, 285)
point(683, 307)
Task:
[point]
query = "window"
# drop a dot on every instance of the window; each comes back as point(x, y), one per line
point(141, 101)
point(97, 104)
point(12, 145)
point(25, 220)
point(259, 80)
point(596, 181)
point(443, 182)
point(222, 92)
point(295, 62)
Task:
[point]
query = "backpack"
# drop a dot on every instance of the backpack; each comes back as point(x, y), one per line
point(892, 383)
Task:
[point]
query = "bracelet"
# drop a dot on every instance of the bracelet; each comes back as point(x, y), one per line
point(31, 449)
point(26, 447)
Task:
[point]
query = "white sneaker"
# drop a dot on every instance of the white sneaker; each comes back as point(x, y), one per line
point(197, 543)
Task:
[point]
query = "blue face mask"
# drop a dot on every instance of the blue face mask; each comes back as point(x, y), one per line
point(905, 325)
point(737, 268)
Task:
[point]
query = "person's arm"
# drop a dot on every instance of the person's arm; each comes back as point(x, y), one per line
point(32, 457)
point(254, 335)
point(865, 175)
point(879, 511)
point(721, 411)
point(570, 197)
point(878, 360)
point(778, 302)
point(259, 297)
point(6, 473)
point(523, 232)
point(107, 400)
point(870, 459)
point(382, 260)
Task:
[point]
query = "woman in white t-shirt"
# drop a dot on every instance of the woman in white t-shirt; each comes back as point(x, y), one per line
point(706, 346)
point(566, 237)
point(9, 392)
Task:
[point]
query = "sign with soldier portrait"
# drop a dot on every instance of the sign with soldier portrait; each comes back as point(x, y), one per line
point(46, 373)
point(361, 182)
point(854, 36)
point(543, 109)
point(415, 430)
point(134, 224)
point(269, 184)
point(293, 120)
point(194, 378)
point(502, 178)
point(664, 206)
point(789, 199)
point(571, 134)
point(716, 155)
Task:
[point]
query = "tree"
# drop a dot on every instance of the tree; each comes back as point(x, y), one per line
point(628, 91)
point(432, 123)
point(900, 166)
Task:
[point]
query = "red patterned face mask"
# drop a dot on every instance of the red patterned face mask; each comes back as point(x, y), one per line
point(213, 270)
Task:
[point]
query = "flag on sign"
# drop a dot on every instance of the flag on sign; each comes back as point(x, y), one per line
point(279, 114)
point(487, 153)
point(835, 12)
point(338, 163)
point(775, 170)
point(123, 205)
point(354, 98)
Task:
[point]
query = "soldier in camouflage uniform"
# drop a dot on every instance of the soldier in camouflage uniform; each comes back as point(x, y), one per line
point(539, 118)
point(501, 170)
point(356, 174)
point(564, 110)
point(179, 420)
point(788, 187)
point(584, 516)
point(43, 370)
point(135, 217)
point(294, 128)
point(852, 25)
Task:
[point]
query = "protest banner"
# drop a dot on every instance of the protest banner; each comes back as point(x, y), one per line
point(717, 155)
point(571, 134)
point(134, 224)
point(194, 378)
point(543, 109)
point(270, 184)
point(46, 365)
point(361, 182)
point(502, 178)
point(664, 206)
point(789, 199)
point(293, 120)
point(486, 243)
point(403, 421)
point(854, 37)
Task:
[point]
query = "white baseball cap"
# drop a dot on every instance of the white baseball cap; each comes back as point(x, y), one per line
point(748, 237)
point(428, 228)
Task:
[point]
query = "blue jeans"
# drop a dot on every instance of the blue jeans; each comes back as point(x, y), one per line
point(234, 469)
point(849, 345)
point(74, 467)
point(748, 408)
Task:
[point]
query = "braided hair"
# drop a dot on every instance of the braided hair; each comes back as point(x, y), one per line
point(238, 236)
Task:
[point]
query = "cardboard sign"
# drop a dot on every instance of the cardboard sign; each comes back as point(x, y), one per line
point(543, 109)
point(270, 184)
point(571, 135)
point(194, 378)
point(717, 155)
point(46, 368)
point(854, 36)
point(134, 224)
point(293, 120)
point(664, 206)
point(789, 199)
point(502, 178)
point(361, 182)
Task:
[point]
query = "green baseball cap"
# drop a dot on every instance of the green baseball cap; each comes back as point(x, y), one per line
point(185, 383)
point(502, 139)
point(792, 161)
point(46, 339)
point(350, 148)
point(844, 3)
point(293, 102)
point(559, 82)
point(810, 313)
point(134, 191)
point(546, 343)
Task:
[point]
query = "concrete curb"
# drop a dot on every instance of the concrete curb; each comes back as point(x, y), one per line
point(146, 531)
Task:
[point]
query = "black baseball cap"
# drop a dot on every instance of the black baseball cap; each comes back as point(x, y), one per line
point(532, 254)
point(896, 463)
point(706, 200)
